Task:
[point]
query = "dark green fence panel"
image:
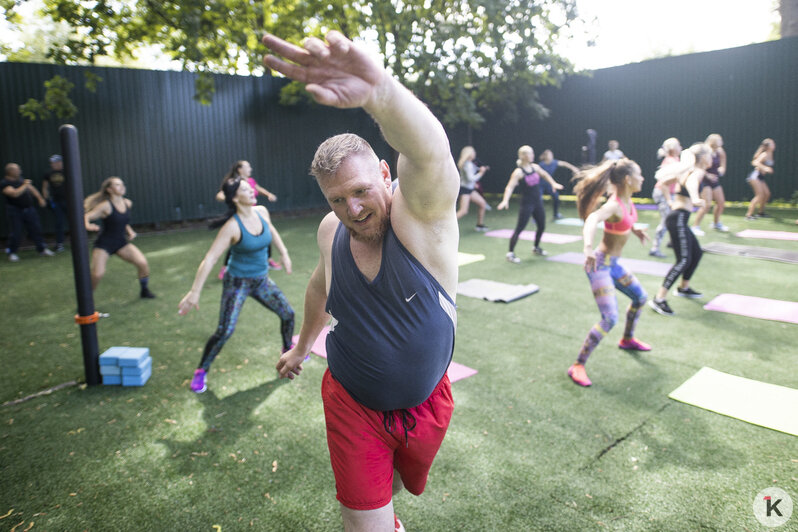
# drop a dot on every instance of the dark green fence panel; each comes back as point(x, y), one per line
point(145, 127)
point(746, 94)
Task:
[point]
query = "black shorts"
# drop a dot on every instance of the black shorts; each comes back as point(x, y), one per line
point(465, 191)
point(110, 244)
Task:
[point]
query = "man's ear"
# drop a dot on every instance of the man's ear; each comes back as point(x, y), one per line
point(385, 173)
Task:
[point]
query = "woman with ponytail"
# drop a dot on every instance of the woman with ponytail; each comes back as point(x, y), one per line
point(247, 229)
point(687, 174)
point(621, 178)
point(110, 205)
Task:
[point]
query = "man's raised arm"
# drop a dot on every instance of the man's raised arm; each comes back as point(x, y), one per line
point(340, 74)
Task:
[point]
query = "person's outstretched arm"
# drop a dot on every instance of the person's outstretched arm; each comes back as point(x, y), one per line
point(339, 73)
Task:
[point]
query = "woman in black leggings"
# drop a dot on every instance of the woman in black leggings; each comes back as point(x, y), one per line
point(688, 174)
point(528, 174)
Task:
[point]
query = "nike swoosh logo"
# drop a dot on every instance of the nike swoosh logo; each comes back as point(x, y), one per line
point(407, 299)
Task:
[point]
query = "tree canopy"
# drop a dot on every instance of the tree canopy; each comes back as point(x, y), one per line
point(462, 57)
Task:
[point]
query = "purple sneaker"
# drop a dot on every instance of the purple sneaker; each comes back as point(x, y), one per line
point(198, 382)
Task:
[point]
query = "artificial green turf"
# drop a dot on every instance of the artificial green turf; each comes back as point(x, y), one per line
point(526, 449)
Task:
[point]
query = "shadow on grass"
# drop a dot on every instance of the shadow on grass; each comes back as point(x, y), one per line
point(226, 420)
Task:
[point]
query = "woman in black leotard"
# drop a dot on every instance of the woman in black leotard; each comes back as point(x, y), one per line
point(528, 174)
point(110, 205)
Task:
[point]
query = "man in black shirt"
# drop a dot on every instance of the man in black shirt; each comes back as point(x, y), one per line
point(21, 197)
point(54, 192)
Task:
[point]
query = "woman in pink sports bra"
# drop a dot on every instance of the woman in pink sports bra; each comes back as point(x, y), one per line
point(603, 270)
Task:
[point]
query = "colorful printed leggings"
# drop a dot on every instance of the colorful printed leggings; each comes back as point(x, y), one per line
point(608, 276)
point(234, 293)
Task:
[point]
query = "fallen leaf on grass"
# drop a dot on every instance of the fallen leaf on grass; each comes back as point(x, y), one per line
point(7, 514)
point(274, 466)
point(172, 421)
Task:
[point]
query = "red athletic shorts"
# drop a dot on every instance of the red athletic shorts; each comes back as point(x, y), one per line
point(364, 455)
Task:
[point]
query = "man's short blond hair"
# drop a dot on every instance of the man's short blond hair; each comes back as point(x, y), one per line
point(334, 151)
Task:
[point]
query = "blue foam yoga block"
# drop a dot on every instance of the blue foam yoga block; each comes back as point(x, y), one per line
point(111, 356)
point(133, 356)
point(110, 370)
point(112, 379)
point(137, 380)
point(139, 370)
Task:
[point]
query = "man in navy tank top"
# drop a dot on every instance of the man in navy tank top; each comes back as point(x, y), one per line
point(385, 280)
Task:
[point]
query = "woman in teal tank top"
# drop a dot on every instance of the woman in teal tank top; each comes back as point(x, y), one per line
point(247, 230)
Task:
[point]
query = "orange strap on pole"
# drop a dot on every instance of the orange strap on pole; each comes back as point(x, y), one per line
point(86, 320)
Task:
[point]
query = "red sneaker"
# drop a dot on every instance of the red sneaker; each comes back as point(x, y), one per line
point(633, 344)
point(578, 375)
point(397, 524)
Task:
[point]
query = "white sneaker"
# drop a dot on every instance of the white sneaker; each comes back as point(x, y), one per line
point(512, 258)
point(13, 257)
point(720, 227)
point(697, 231)
point(46, 253)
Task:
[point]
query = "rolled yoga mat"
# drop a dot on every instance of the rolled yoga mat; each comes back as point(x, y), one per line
point(780, 255)
point(755, 307)
point(759, 403)
point(634, 265)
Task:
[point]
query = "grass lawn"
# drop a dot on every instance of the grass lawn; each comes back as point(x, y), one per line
point(526, 450)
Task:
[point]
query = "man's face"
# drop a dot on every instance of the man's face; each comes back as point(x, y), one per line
point(359, 194)
point(57, 165)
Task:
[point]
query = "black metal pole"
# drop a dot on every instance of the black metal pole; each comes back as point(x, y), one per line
point(86, 317)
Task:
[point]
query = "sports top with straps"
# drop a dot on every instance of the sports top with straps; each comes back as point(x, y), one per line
point(626, 222)
point(249, 256)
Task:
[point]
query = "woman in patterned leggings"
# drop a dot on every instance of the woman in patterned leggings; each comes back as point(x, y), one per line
point(606, 274)
point(247, 230)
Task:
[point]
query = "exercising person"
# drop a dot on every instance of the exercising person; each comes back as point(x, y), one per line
point(603, 270)
point(247, 230)
point(528, 174)
point(688, 174)
point(110, 205)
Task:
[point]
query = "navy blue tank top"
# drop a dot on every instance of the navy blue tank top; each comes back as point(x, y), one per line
point(391, 339)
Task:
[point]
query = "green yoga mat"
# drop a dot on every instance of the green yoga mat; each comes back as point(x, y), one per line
point(767, 405)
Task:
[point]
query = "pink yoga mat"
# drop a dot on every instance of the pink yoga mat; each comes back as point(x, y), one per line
point(548, 238)
point(773, 235)
point(634, 265)
point(755, 307)
point(456, 371)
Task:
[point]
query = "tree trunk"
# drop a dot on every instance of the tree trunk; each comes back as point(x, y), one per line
point(788, 9)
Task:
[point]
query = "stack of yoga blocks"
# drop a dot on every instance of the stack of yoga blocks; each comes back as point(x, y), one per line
point(128, 366)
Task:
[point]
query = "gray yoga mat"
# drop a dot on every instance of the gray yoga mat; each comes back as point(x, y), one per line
point(780, 255)
point(495, 291)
